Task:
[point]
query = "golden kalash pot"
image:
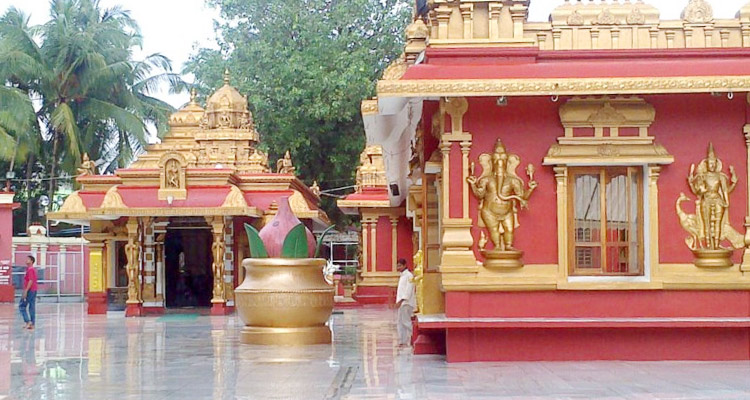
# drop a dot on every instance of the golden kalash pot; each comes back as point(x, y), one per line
point(284, 299)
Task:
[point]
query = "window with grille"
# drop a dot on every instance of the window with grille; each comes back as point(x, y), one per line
point(607, 213)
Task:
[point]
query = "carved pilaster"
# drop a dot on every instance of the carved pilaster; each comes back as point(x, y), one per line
point(709, 35)
point(541, 38)
point(556, 35)
point(218, 249)
point(149, 262)
point(653, 210)
point(495, 9)
point(745, 265)
point(443, 15)
point(670, 38)
point(653, 34)
point(615, 37)
point(365, 268)
point(394, 242)
point(561, 178)
point(467, 14)
point(133, 253)
point(594, 38)
point(724, 35)
point(745, 35)
point(518, 14)
point(689, 37)
point(229, 257)
point(465, 148)
point(445, 150)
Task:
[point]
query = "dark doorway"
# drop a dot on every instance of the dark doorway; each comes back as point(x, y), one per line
point(188, 267)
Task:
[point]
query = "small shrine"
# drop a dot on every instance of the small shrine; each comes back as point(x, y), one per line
point(577, 188)
point(168, 230)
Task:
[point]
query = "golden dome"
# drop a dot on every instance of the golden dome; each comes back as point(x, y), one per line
point(227, 109)
point(190, 115)
point(227, 98)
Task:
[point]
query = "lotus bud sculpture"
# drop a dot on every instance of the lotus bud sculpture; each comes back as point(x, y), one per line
point(284, 298)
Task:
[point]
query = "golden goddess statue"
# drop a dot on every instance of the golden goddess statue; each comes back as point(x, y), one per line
point(419, 279)
point(501, 193)
point(709, 226)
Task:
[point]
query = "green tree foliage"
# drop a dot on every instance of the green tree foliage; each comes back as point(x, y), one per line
point(72, 86)
point(306, 65)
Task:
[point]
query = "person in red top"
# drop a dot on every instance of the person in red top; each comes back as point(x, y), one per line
point(28, 298)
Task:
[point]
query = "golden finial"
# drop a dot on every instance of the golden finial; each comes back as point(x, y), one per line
point(193, 95)
point(711, 152)
point(226, 76)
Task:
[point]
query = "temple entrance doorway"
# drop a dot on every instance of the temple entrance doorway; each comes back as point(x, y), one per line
point(188, 275)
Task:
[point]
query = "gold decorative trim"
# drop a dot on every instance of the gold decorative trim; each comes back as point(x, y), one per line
point(173, 212)
point(234, 199)
point(113, 200)
point(369, 107)
point(562, 86)
point(73, 204)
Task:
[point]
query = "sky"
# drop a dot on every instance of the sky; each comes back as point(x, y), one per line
point(176, 28)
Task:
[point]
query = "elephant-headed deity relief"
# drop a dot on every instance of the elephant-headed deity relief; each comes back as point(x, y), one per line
point(501, 193)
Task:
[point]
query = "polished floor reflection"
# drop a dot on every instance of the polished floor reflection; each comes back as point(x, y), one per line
point(72, 355)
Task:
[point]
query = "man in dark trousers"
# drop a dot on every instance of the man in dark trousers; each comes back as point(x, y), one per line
point(28, 298)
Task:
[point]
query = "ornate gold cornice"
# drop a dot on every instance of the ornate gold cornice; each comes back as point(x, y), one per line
point(562, 86)
point(370, 107)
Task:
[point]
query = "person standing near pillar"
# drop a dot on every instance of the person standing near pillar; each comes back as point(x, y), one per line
point(28, 298)
point(406, 302)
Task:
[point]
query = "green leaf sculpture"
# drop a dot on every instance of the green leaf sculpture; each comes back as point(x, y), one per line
point(295, 243)
point(257, 248)
point(320, 240)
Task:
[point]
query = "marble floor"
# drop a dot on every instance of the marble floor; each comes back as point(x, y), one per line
point(72, 355)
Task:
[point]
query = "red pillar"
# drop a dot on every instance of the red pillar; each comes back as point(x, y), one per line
point(6, 245)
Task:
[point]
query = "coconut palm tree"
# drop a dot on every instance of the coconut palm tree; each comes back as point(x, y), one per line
point(92, 96)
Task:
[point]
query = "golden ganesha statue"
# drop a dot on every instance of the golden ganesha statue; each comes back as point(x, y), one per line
point(709, 226)
point(501, 193)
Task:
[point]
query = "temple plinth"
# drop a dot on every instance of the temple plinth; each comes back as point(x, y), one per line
point(602, 111)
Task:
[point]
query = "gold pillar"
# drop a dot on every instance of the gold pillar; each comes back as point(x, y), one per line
point(218, 248)
point(653, 210)
point(456, 241)
point(365, 245)
point(445, 150)
point(133, 252)
point(745, 266)
point(148, 293)
point(374, 240)
point(465, 148)
point(394, 243)
point(561, 177)
point(96, 267)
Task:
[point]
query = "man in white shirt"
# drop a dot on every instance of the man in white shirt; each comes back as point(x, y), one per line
point(406, 302)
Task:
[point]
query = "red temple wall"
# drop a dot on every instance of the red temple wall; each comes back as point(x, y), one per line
point(528, 126)
point(384, 250)
point(404, 241)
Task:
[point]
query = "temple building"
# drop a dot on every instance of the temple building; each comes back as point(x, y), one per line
point(576, 188)
point(168, 230)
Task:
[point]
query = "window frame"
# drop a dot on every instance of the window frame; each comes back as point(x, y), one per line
point(604, 171)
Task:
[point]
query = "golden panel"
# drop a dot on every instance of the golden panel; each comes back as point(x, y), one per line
point(96, 271)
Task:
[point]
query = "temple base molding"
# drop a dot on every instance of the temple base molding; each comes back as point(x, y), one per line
point(502, 259)
point(719, 258)
point(286, 336)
